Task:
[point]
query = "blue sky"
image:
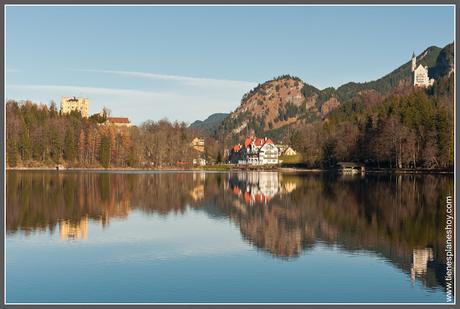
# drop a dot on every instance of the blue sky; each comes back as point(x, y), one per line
point(187, 62)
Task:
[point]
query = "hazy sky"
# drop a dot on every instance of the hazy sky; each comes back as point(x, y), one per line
point(187, 62)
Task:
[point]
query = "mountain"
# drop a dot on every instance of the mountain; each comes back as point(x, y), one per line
point(268, 106)
point(444, 63)
point(286, 100)
point(210, 124)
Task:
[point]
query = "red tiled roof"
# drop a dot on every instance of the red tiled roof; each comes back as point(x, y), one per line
point(236, 148)
point(247, 142)
point(118, 120)
point(183, 163)
point(259, 141)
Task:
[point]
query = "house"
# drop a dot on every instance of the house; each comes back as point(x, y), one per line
point(255, 151)
point(198, 144)
point(268, 154)
point(286, 150)
point(119, 121)
point(289, 152)
point(199, 161)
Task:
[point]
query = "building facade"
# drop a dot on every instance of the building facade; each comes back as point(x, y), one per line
point(198, 144)
point(69, 104)
point(420, 74)
point(119, 121)
point(268, 154)
point(289, 152)
point(255, 151)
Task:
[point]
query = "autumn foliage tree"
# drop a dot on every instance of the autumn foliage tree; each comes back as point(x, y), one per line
point(37, 135)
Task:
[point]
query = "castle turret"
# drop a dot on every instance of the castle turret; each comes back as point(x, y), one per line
point(414, 62)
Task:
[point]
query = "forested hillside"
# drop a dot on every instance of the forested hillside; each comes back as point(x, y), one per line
point(410, 130)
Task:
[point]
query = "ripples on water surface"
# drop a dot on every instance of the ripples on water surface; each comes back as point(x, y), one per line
point(224, 237)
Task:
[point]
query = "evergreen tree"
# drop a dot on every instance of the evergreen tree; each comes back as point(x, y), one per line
point(55, 145)
point(104, 151)
point(53, 109)
point(69, 146)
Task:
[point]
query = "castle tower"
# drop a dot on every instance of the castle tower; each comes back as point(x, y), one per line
point(69, 104)
point(414, 62)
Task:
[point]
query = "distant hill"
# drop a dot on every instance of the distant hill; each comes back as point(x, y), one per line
point(287, 100)
point(210, 124)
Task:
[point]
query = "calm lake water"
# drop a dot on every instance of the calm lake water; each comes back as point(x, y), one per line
point(224, 237)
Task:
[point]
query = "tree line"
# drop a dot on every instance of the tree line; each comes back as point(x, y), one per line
point(38, 135)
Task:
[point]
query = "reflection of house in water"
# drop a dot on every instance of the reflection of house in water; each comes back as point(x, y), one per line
point(69, 230)
point(199, 176)
point(197, 193)
point(289, 186)
point(255, 187)
point(259, 187)
point(420, 259)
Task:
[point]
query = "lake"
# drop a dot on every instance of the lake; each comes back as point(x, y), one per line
point(230, 237)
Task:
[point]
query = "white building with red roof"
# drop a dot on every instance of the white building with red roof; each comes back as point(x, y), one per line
point(258, 151)
point(119, 121)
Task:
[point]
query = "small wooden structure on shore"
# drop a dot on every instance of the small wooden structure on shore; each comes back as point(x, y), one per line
point(351, 168)
point(60, 167)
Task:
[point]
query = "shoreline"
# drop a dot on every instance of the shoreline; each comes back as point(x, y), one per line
point(226, 168)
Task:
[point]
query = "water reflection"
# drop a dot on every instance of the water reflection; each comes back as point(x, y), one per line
point(420, 259)
point(401, 218)
point(69, 230)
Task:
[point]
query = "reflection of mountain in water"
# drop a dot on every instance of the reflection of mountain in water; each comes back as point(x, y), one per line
point(398, 217)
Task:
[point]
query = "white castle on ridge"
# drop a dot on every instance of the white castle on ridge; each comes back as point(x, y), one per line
point(420, 74)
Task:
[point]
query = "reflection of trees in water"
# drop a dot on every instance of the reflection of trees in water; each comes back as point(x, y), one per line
point(39, 200)
point(390, 215)
point(284, 215)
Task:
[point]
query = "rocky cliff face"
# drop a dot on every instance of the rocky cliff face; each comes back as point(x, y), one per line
point(277, 103)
